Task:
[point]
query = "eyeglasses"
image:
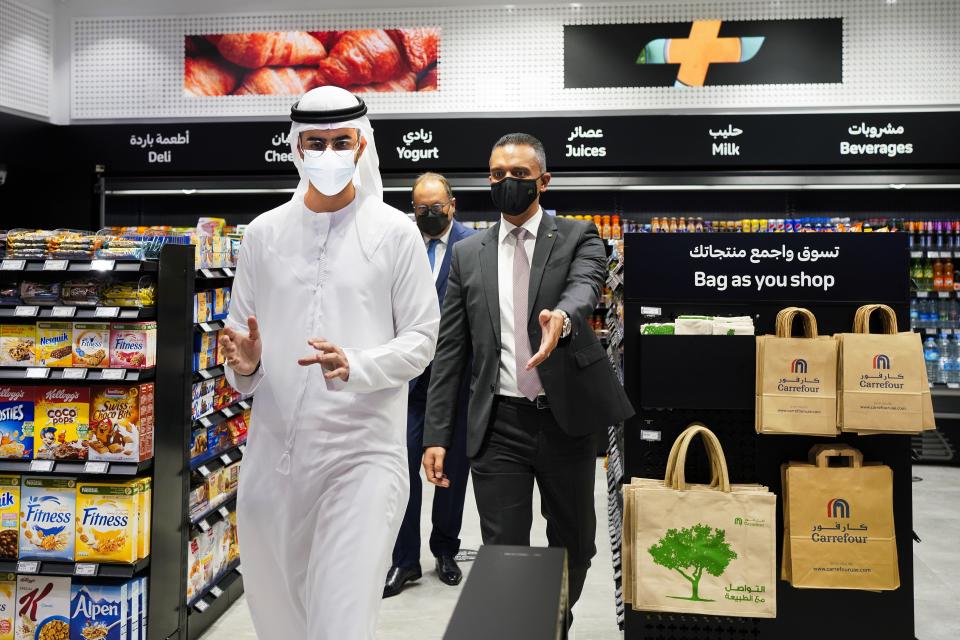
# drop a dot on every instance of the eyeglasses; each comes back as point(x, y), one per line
point(342, 147)
point(517, 172)
point(436, 209)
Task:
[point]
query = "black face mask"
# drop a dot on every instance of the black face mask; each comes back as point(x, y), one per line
point(513, 196)
point(433, 224)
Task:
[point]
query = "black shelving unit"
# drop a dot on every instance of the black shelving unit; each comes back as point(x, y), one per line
point(73, 569)
point(77, 375)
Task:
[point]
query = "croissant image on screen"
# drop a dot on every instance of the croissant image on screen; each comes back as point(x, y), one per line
point(293, 62)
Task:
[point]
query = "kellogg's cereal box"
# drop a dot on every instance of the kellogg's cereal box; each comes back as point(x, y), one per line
point(18, 344)
point(43, 608)
point(107, 522)
point(91, 345)
point(8, 605)
point(100, 611)
point(16, 422)
point(55, 344)
point(47, 507)
point(61, 423)
point(9, 518)
point(133, 345)
point(121, 423)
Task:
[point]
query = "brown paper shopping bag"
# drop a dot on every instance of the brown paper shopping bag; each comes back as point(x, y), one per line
point(838, 523)
point(796, 379)
point(706, 549)
point(883, 386)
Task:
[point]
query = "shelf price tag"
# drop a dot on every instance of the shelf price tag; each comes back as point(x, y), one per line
point(201, 606)
point(651, 311)
point(205, 421)
point(107, 312)
point(96, 467)
point(226, 459)
point(55, 265)
point(953, 385)
point(243, 449)
point(649, 435)
point(75, 374)
point(203, 471)
point(205, 374)
point(204, 526)
point(43, 466)
point(113, 374)
point(102, 265)
point(228, 412)
point(224, 512)
point(38, 373)
point(216, 591)
point(13, 265)
point(206, 328)
point(244, 405)
point(63, 312)
point(86, 569)
point(208, 273)
point(26, 311)
point(944, 294)
point(923, 294)
point(228, 271)
point(28, 567)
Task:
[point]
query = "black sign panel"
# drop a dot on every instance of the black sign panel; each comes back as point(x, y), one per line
point(703, 53)
point(759, 267)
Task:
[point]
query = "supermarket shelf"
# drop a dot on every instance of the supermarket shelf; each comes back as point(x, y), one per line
point(221, 415)
point(934, 253)
point(217, 589)
point(216, 513)
point(60, 373)
point(34, 265)
point(79, 569)
point(75, 467)
point(216, 274)
point(933, 294)
point(207, 374)
point(104, 314)
point(208, 327)
point(224, 458)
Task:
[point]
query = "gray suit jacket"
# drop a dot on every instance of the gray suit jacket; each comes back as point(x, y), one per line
point(567, 272)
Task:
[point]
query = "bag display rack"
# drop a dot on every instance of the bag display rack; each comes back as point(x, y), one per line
point(675, 380)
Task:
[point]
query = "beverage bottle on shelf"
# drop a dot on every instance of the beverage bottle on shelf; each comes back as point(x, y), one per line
point(672, 228)
point(931, 358)
point(914, 314)
point(916, 272)
point(937, 275)
point(616, 229)
point(927, 275)
point(946, 364)
point(698, 225)
point(947, 274)
point(930, 315)
point(682, 225)
point(605, 231)
point(655, 225)
point(943, 313)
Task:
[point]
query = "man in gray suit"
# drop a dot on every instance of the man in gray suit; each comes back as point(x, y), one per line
point(532, 279)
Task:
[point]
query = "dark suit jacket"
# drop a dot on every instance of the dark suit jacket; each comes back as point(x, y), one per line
point(568, 271)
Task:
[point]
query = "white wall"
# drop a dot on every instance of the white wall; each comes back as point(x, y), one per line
point(26, 31)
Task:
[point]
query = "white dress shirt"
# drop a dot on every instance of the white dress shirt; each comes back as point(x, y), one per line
point(506, 246)
point(440, 250)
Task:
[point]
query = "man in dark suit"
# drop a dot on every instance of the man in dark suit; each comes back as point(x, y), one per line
point(530, 282)
point(434, 206)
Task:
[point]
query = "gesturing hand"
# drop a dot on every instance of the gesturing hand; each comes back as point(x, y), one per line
point(242, 350)
point(433, 466)
point(551, 326)
point(330, 357)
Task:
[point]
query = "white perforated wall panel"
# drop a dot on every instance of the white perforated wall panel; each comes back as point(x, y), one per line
point(25, 58)
point(495, 59)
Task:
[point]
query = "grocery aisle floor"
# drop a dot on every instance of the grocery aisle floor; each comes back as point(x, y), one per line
point(422, 610)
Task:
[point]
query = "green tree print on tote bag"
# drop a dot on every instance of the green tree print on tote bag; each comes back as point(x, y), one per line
point(690, 552)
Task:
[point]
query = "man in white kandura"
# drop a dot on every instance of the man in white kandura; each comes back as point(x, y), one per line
point(333, 312)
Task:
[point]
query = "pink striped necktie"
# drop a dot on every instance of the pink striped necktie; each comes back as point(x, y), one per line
point(528, 382)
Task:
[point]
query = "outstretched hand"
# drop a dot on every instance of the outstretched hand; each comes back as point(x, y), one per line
point(242, 349)
point(551, 326)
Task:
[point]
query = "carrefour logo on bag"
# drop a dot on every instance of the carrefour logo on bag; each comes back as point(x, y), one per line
point(798, 366)
point(881, 361)
point(838, 508)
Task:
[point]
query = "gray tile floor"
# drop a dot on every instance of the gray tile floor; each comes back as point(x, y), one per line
point(422, 610)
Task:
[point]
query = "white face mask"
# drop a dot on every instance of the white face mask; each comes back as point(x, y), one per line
point(328, 171)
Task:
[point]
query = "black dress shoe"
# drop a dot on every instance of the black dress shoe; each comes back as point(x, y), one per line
point(399, 576)
point(448, 570)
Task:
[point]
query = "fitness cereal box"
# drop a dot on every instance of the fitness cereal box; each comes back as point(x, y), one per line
point(47, 507)
point(121, 423)
point(144, 513)
point(133, 345)
point(55, 344)
point(91, 345)
point(16, 422)
point(43, 608)
point(100, 611)
point(107, 522)
point(18, 344)
point(8, 605)
point(9, 518)
point(61, 423)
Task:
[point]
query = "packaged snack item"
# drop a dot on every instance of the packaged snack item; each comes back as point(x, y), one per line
point(195, 578)
point(61, 423)
point(43, 611)
point(237, 426)
point(46, 518)
point(121, 423)
point(199, 449)
point(220, 546)
point(130, 294)
point(100, 611)
point(133, 345)
point(40, 293)
point(205, 342)
point(208, 545)
point(9, 518)
point(221, 299)
point(107, 522)
point(24, 243)
point(218, 438)
point(226, 395)
point(8, 605)
point(203, 306)
point(55, 344)
point(211, 226)
point(16, 422)
point(91, 344)
point(205, 360)
point(81, 293)
point(234, 553)
point(233, 477)
point(18, 344)
point(10, 293)
point(198, 500)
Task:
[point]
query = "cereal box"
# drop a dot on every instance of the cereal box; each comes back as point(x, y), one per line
point(198, 444)
point(145, 514)
point(43, 608)
point(221, 299)
point(121, 423)
point(107, 522)
point(91, 345)
point(16, 422)
point(234, 553)
point(195, 579)
point(203, 306)
point(61, 423)
point(218, 438)
point(18, 344)
point(100, 611)
point(9, 518)
point(137, 610)
point(47, 507)
point(198, 500)
point(133, 345)
point(205, 342)
point(8, 605)
point(55, 344)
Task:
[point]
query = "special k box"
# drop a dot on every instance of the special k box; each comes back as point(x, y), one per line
point(61, 423)
point(133, 345)
point(121, 423)
point(44, 608)
point(16, 422)
point(8, 605)
point(107, 522)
